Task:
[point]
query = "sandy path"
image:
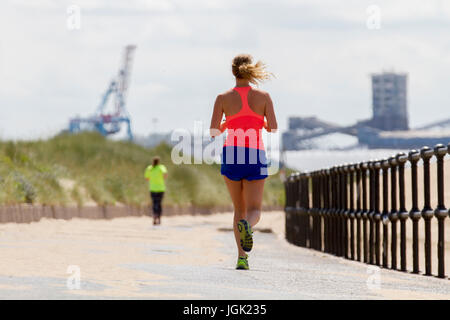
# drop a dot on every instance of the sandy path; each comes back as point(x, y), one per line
point(188, 257)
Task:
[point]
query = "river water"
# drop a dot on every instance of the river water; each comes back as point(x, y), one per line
point(308, 160)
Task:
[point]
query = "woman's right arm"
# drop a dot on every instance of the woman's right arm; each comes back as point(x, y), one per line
point(214, 129)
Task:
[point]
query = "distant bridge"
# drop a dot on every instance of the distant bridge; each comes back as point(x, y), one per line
point(443, 123)
point(306, 128)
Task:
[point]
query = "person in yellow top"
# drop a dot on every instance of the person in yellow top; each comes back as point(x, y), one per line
point(155, 174)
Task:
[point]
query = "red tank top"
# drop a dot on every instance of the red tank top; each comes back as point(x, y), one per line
point(244, 128)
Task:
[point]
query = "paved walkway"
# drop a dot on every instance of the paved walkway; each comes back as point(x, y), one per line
point(187, 257)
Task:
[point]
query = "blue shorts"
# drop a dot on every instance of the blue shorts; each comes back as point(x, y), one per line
point(239, 163)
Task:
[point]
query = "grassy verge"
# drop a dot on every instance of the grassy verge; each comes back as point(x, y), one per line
point(87, 168)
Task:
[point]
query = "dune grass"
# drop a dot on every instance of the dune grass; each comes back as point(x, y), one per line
point(88, 168)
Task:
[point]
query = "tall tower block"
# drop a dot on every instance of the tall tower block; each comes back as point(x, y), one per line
point(389, 101)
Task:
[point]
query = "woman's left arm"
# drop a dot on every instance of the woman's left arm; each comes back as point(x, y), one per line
point(272, 125)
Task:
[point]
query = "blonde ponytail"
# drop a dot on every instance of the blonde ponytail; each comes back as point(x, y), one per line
point(243, 68)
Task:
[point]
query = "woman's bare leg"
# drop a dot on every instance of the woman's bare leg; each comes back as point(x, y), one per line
point(253, 195)
point(237, 196)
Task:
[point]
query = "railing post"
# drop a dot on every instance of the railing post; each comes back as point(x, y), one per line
point(351, 211)
point(287, 208)
point(307, 209)
point(302, 209)
point(343, 212)
point(316, 194)
point(336, 242)
point(323, 211)
point(415, 213)
point(347, 210)
point(333, 211)
point(358, 211)
point(329, 211)
point(297, 210)
point(322, 204)
point(312, 209)
point(385, 214)
point(427, 212)
point(393, 216)
point(293, 208)
point(326, 213)
point(377, 214)
point(365, 211)
point(340, 249)
point(320, 209)
point(403, 214)
point(293, 221)
point(316, 212)
point(286, 202)
point(371, 211)
point(441, 212)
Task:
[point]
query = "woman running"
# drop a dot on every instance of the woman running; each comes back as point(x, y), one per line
point(243, 161)
point(156, 174)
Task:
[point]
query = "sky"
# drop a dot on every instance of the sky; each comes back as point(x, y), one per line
point(321, 52)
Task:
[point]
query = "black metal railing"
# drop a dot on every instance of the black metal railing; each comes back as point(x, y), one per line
point(341, 211)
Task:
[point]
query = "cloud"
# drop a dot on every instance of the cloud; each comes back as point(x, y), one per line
point(322, 55)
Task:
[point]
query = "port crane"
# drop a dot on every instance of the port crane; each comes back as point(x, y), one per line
point(109, 123)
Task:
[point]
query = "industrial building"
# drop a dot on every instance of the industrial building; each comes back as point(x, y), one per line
point(389, 102)
point(388, 127)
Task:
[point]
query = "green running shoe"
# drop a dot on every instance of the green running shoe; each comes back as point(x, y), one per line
point(242, 263)
point(246, 235)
